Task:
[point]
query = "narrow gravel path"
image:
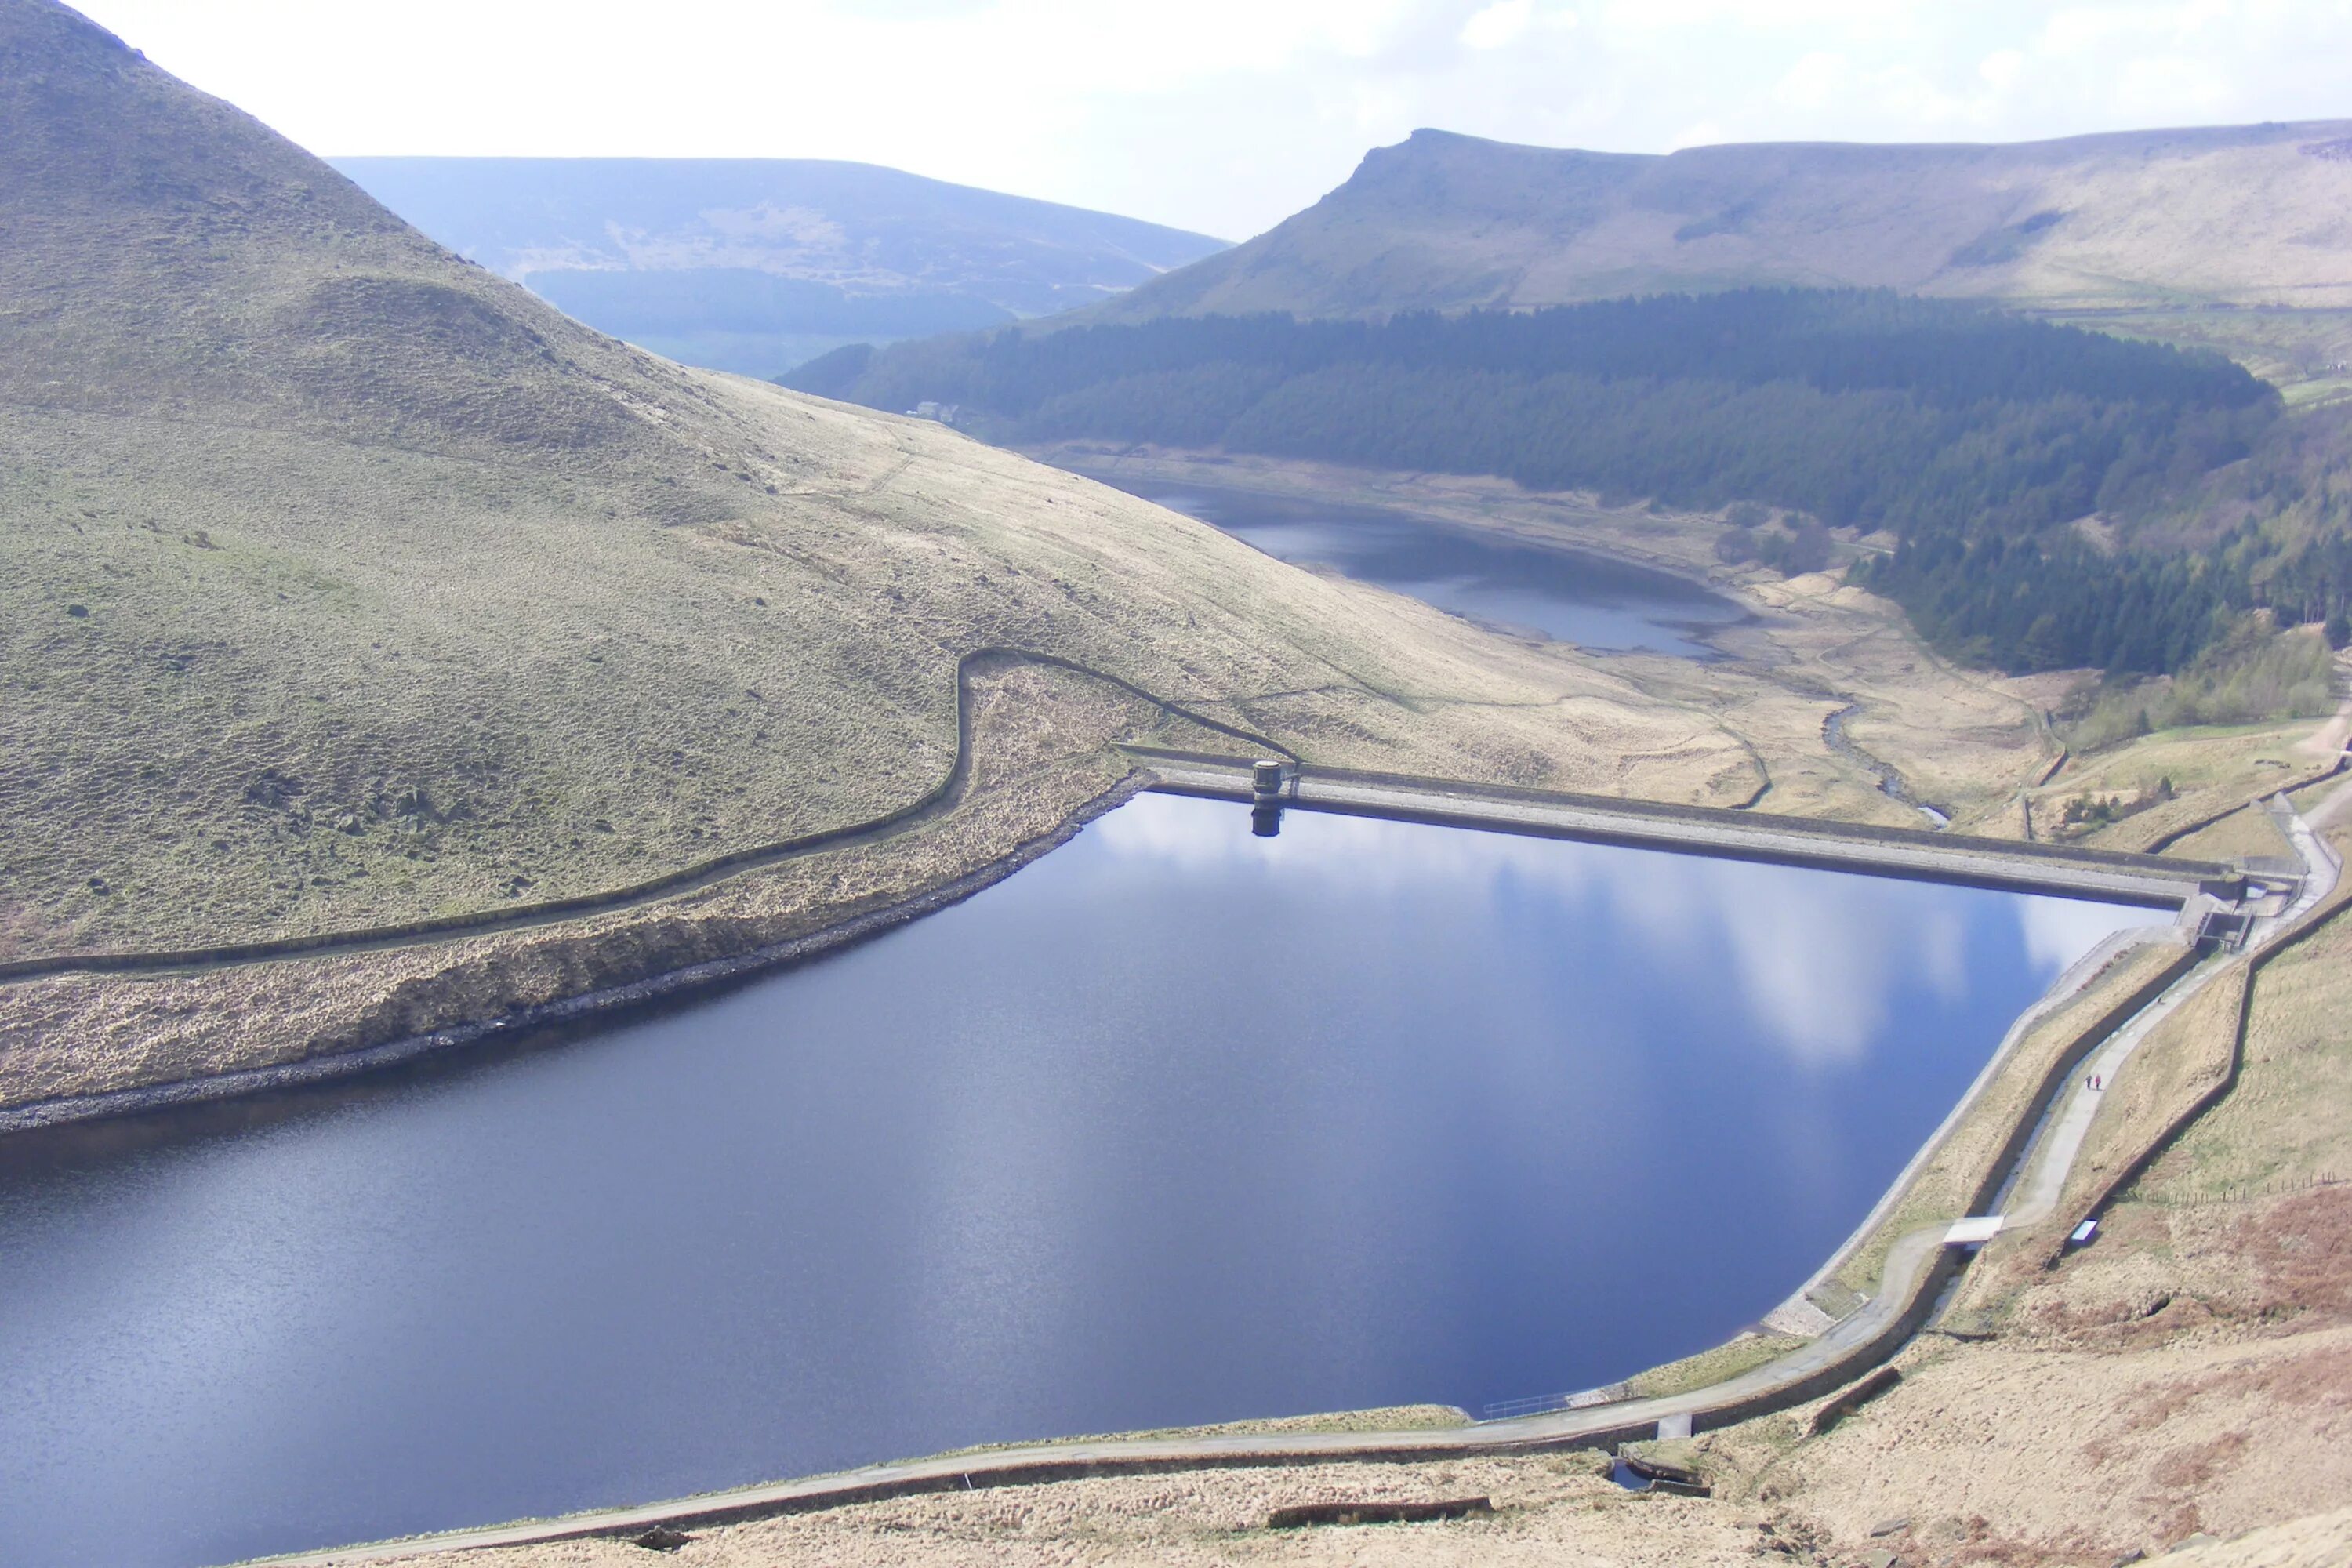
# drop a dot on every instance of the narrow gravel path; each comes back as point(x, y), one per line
point(940, 799)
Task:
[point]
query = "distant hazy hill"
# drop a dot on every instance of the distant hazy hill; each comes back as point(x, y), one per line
point(2258, 214)
point(754, 265)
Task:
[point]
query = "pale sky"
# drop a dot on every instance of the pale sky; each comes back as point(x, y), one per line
point(1224, 115)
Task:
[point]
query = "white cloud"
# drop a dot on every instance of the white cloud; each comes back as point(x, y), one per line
point(2000, 69)
point(1813, 82)
point(2058, 930)
point(1498, 24)
point(1222, 115)
point(1820, 961)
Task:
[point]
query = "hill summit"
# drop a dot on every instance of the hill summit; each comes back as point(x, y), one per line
point(169, 256)
point(2235, 216)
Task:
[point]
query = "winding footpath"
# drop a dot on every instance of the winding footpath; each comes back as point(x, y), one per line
point(1915, 1269)
point(940, 799)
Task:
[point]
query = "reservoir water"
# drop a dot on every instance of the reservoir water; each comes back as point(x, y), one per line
point(1566, 596)
point(1175, 1125)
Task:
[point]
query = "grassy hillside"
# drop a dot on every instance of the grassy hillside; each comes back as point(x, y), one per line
point(2237, 215)
point(755, 264)
point(342, 581)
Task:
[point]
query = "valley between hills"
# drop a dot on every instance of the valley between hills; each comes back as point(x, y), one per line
point(452, 662)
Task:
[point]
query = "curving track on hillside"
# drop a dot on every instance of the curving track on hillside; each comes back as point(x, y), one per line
point(940, 799)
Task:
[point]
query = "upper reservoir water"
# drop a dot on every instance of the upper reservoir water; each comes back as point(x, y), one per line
point(1564, 595)
point(1175, 1125)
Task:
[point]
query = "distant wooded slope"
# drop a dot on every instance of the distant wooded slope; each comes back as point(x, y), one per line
point(756, 264)
point(2232, 216)
point(1975, 436)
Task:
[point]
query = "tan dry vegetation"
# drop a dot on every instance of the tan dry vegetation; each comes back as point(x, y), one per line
point(1963, 740)
point(2248, 833)
point(2321, 1541)
point(2213, 770)
point(1548, 1511)
point(2072, 1453)
point(2180, 1061)
point(2288, 1124)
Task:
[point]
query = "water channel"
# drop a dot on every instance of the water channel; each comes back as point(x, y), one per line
point(1563, 594)
point(1175, 1125)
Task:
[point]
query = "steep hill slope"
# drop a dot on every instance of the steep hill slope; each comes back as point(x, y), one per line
point(2235, 216)
point(756, 264)
point(343, 582)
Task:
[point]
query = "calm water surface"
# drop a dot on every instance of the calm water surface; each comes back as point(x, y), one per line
point(1176, 1125)
point(1566, 596)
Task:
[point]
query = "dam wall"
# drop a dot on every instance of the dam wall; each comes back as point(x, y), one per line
point(2150, 880)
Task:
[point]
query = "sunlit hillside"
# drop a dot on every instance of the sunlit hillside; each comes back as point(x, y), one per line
point(345, 580)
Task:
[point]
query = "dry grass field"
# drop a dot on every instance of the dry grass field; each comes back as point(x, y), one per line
point(2287, 1128)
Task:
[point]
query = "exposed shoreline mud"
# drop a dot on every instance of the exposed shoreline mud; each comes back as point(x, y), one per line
point(605, 1001)
point(1304, 481)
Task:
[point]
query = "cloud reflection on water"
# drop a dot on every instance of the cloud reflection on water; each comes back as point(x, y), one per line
point(1818, 957)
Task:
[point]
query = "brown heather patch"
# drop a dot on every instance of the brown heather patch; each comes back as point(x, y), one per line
point(2300, 1250)
point(2195, 1465)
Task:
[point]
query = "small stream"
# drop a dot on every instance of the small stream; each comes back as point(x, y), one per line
point(1890, 783)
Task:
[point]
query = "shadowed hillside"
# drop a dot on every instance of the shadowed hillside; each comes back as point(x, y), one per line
point(2242, 215)
point(343, 582)
point(756, 264)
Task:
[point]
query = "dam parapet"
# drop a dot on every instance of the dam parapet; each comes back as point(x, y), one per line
point(2153, 881)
